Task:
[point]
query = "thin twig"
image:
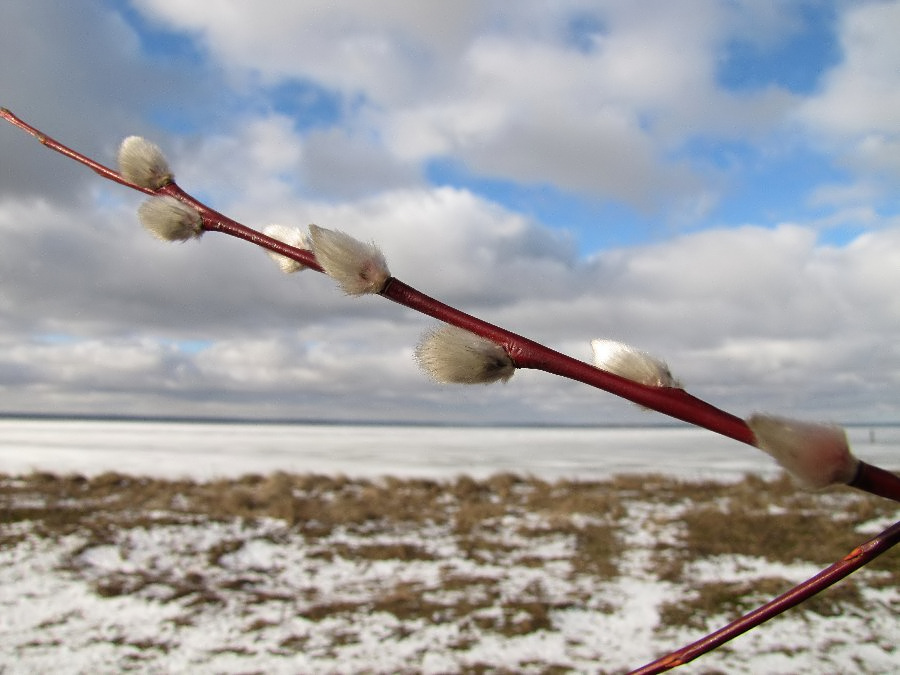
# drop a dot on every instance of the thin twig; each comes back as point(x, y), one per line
point(526, 353)
point(877, 481)
point(858, 557)
point(53, 144)
point(213, 221)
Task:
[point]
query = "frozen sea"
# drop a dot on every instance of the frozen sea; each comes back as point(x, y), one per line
point(208, 450)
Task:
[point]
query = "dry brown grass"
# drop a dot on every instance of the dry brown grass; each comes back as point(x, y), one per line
point(769, 520)
point(702, 608)
point(776, 522)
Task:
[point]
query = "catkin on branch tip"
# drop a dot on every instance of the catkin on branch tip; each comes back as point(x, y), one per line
point(632, 364)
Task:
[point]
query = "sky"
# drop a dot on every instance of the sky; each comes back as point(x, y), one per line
point(714, 182)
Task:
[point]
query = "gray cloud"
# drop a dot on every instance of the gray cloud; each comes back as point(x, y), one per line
point(852, 115)
point(513, 94)
point(756, 318)
point(96, 316)
point(74, 70)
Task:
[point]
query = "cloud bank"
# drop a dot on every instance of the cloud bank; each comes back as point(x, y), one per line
point(358, 120)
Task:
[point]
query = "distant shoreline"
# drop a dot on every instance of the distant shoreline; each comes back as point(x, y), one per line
point(198, 449)
point(284, 421)
point(176, 419)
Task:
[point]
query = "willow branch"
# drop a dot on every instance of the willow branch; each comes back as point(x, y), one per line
point(857, 558)
point(817, 455)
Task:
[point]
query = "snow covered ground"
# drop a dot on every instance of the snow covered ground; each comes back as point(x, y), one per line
point(487, 578)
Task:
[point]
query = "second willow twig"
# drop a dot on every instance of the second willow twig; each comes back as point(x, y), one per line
point(857, 558)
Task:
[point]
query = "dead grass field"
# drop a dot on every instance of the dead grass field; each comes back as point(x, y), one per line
point(587, 531)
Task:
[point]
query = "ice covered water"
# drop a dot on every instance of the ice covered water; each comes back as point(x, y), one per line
point(205, 450)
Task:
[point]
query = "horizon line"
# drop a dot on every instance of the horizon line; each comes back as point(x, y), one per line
point(287, 421)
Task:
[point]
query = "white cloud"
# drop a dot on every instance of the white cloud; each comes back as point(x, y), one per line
point(345, 164)
point(762, 316)
point(750, 318)
point(856, 109)
point(507, 92)
point(385, 49)
point(843, 194)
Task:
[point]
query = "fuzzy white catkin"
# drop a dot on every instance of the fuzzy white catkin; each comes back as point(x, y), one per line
point(633, 364)
point(143, 163)
point(292, 236)
point(358, 267)
point(169, 219)
point(453, 355)
point(817, 455)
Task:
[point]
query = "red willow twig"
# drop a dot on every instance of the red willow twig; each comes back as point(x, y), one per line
point(48, 142)
point(526, 353)
point(858, 557)
point(212, 219)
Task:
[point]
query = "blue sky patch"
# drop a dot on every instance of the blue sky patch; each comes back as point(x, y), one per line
point(596, 224)
point(795, 63)
point(160, 43)
point(307, 103)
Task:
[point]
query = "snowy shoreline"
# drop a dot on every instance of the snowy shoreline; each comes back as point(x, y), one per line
point(204, 450)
